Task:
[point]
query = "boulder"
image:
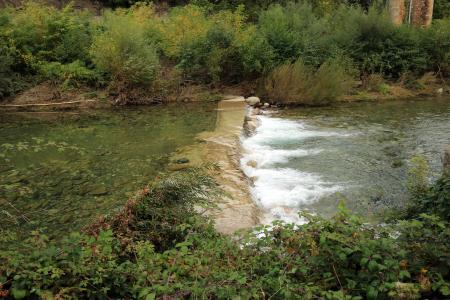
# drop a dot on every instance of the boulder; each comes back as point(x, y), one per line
point(253, 101)
point(252, 164)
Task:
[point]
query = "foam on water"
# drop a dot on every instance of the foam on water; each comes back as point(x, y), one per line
point(275, 130)
point(282, 191)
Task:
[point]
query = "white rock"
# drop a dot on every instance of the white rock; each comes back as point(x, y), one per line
point(252, 100)
point(266, 105)
point(440, 91)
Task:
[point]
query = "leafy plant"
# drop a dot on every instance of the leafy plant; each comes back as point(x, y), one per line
point(122, 51)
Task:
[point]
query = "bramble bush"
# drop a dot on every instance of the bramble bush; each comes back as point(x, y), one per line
point(160, 246)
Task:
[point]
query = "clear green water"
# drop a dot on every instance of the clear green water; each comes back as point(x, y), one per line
point(59, 171)
point(312, 158)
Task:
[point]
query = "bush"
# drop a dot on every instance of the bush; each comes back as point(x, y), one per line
point(204, 46)
point(433, 199)
point(122, 51)
point(294, 31)
point(69, 75)
point(297, 83)
point(436, 43)
point(376, 45)
point(339, 258)
point(7, 75)
point(256, 54)
point(441, 9)
point(44, 33)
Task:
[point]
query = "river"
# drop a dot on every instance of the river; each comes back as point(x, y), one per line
point(58, 171)
point(313, 158)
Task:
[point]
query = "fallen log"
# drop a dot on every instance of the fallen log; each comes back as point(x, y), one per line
point(47, 104)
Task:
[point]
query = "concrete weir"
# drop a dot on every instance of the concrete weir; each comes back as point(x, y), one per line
point(236, 209)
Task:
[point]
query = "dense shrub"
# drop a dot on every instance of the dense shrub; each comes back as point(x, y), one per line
point(339, 258)
point(211, 42)
point(436, 43)
point(165, 212)
point(433, 199)
point(122, 51)
point(69, 75)
point(10, 81)
point(203, 45)
point(298, 83)
point(43, 33)
point(378, 46)
point(441, 9)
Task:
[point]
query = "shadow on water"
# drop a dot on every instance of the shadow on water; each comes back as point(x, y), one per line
point(59, 171)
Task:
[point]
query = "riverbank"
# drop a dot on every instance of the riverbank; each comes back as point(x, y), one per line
point(47, 97)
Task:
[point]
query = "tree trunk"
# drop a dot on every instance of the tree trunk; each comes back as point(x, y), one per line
point(397, 11)
point(422, 12)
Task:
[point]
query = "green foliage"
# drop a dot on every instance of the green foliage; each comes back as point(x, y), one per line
point(378, 46)
point(294, 31)
point(211, 42)
point(42, 33)
point(166, 212)
point(297, 83)
point(123, 52)
point(338, 258)
point(441, 9)
point(434, 200)
point(10, 82)
point(73, 74)
point(159, 246)
point(436, 43)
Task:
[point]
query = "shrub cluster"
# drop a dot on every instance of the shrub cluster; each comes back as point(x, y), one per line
point(297, 83)
point(220, 43)
point(160, 246)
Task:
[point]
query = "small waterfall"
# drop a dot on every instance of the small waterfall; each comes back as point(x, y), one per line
point(279, 189)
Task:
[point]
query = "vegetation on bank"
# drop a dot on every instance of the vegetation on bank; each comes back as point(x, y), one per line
point(159, 245)
point(140, 52)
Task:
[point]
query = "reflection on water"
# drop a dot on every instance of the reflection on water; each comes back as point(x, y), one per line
point(312, 158)
point(58, 171)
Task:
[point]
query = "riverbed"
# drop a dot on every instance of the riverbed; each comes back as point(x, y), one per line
point(59, 171)
point(313, 158)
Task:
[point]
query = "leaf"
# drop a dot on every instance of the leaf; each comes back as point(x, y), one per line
point(404, 274)
point(151, 296)
point(445, 290)
point(373, 266)
point(372, 293)
point(19, 294)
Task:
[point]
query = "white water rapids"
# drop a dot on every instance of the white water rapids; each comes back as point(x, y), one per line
point(278, 188)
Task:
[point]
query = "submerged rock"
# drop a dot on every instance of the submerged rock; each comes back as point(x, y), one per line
point(182, 161)
point(98, 190)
